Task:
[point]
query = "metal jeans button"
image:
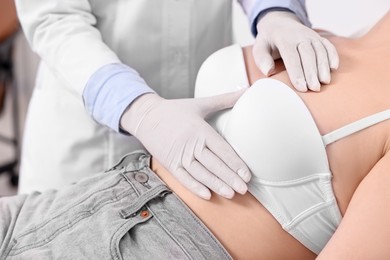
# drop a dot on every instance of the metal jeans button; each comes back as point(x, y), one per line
point(144, 213)
point(141, 177)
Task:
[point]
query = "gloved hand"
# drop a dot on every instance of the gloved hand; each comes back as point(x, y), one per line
point(176, 134)
point(307, 56)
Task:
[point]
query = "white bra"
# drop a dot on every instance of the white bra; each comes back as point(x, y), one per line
point(272, 130)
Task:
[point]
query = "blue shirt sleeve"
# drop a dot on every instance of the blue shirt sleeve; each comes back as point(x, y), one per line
point(110, 90)
point(261, 7)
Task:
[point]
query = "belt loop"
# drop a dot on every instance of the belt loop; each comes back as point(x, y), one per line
point(157, 192)
point(134, 161)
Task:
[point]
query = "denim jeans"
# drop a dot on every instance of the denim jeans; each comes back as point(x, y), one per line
point(124, 213)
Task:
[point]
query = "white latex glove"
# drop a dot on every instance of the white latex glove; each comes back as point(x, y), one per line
point(307, 56)
point(176, 134)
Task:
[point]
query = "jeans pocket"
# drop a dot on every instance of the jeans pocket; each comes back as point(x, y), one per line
point(145, 237)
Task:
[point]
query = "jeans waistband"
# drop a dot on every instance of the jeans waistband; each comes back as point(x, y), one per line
point(133, 161)
point(125, 212)
point(174, 216)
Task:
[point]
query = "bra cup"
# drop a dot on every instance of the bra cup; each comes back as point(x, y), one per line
point(219, 120)
point(272, 130)
point(222, 72)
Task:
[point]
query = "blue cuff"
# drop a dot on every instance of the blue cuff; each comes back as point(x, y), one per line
point(261, 7)
point(110, 90)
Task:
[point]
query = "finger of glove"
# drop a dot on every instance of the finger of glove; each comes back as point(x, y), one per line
point(322, 62)
point(309, 65)
point(205, 177)
point(333, 56)
point(263, 57)
point(210, 105)
point(293, 65)
point(217, 167)
point(227, 155)
point(188, 181)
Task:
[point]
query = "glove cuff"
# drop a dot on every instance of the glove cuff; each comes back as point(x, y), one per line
point(136, 112)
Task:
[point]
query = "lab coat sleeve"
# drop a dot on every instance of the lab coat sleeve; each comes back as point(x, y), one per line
point(255, 9)
point(64, 35)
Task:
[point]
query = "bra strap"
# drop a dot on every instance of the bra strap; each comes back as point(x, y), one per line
point(355, 127)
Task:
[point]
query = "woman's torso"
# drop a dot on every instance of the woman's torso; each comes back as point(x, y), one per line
point(359, 88)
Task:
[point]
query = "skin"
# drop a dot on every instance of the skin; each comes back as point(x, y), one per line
point(360, 164)
point(8, 26)
point(8, 20)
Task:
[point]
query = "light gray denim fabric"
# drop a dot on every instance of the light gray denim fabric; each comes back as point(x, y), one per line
point(124, 213)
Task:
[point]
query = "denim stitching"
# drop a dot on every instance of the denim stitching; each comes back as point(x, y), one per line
point(143, 199)
point(202, 226)
point(125, 226)
point(70, 224)
point(67, 209)
point(131, 184)
point(170, 234)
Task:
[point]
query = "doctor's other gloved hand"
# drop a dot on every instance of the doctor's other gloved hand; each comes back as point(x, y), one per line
point(307, 56)
point(176, 134)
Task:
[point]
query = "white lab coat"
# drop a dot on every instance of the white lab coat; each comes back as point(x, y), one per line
point(166, 41)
